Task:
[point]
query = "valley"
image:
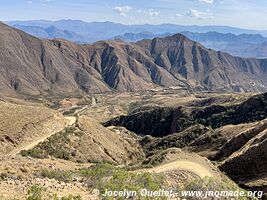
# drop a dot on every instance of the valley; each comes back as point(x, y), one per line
point(79, 119)
point(193, 151)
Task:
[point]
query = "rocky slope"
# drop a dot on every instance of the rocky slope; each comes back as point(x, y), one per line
point(232, 135)
point(244, 45)
point(240, 151)
point(160, 122)
point(89, 142)
point(32, 66)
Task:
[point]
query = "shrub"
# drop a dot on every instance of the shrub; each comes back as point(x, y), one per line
point(106, 176)
point(65, 176)
point(35, 193)
point(38, 193)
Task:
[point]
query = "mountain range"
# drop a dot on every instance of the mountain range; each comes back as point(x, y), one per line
point(244, 45)
point(32, 66)
point(51, 32)
point(105, 30)
point(238, 42)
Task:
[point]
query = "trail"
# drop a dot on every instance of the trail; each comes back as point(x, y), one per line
point(70, 121)
point(190, 166)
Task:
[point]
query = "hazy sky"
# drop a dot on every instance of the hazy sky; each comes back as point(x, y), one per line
point(239, 13)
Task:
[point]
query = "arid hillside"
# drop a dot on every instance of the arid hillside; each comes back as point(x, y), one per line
point(231, 134)
point(157, 113)
point(173, 141)
point(90, 142)
point(32, 66)
point(21, 124)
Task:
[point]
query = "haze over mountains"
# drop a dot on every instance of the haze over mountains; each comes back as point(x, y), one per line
point(51, 32)
point(238, 42)
point(244, 45)
point(105, 30)
point(33, 66)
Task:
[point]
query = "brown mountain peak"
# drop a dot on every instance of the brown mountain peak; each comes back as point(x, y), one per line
point(29, 65)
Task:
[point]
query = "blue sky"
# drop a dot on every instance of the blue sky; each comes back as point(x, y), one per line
point(239, 13)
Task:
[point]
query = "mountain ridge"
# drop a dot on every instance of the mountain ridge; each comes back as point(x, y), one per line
point(51, 32)
point(236, 41)
point(32, 66)
point(243, 45)
point(104, 30)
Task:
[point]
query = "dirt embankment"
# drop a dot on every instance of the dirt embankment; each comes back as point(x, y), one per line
point(55, 128)
point(23, 125)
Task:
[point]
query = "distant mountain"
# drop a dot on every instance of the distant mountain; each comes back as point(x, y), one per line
point(206, 38)
point(51, 32)
point(29, 65)
point(134, 37)
point(244, 45)
point(256, 50)
point(105, 30)
point(225, 37)
point(238, 42)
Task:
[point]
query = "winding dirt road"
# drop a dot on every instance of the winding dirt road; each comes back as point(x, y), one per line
point(70, 121)
point(185, 165)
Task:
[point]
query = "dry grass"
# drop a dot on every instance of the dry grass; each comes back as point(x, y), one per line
point(14, 117)
point(111, 105)
point(20, 124)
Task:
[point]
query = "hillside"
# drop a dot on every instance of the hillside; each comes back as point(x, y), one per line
point(89, 142)
point(163, 121)
point(21, 124)
point(233, 135)
point(33, 67)
point(72, 158)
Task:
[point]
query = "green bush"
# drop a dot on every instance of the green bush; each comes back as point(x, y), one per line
point(107, 177)
point(35, 193)
point(56, 146)
point(70, 197)
point(65, 176)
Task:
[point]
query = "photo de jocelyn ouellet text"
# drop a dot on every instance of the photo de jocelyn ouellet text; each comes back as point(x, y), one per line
point(132, 193)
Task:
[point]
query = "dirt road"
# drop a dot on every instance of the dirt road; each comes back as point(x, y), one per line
point(190, 166)
point(70, 121)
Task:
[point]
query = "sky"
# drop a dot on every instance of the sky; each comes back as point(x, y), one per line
point(238, 13)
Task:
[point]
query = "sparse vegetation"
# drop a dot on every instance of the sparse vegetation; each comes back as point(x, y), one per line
point(103, 175)
point(107, 176)
point(65, 176)
point(254, 109)
point(56, 145)
point(164, 121)
point(14, 118)
point(71, 111)
point(37, 192)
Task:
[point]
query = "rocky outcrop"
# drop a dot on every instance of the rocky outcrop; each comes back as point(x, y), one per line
point(160, 122)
